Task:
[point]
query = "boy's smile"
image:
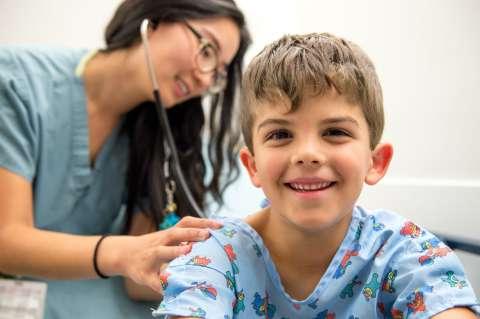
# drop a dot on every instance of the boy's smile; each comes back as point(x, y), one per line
point(311, 163)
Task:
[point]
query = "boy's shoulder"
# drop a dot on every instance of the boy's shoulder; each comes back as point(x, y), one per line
point(389, 218)
point(403, 265)
point(234, 230)
point(385, 223)
point(236, 237)
point(391, 244)
point(386, 233)
point(382, 241)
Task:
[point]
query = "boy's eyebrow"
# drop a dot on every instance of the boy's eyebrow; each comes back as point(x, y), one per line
point(330, 120)
point(272, 121)
point(334, 120)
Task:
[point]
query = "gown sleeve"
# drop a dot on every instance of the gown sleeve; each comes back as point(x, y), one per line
point(200, 284)
point(429, 279)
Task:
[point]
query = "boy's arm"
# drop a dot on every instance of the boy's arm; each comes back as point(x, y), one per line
point(200, 284)
point(430, 280)
point(456, 313)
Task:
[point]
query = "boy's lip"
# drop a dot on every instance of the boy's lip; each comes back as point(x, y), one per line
point(308, 180)
point(309, 184)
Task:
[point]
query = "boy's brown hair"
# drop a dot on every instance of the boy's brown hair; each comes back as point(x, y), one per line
point(299, 66)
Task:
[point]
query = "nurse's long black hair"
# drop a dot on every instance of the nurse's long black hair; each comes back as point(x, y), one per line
point(145, 176)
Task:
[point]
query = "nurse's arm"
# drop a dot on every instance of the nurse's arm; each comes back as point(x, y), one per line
point(140, 225)
point(28, 251)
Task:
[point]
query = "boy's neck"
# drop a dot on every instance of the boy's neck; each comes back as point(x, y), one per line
point(298, 254)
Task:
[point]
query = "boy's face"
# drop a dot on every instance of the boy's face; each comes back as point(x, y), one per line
point(312, 163)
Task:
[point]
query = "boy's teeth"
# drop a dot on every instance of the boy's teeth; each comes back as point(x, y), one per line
point(309, 187)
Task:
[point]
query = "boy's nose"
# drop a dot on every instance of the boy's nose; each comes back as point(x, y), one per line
point(310, 155)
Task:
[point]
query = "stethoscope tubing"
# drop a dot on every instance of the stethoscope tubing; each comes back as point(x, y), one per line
point(163, 120)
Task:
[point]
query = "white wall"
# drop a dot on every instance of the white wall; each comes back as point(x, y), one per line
point(56, 22)
point(427, 54)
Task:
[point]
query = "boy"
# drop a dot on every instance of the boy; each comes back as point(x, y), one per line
point(312, 123)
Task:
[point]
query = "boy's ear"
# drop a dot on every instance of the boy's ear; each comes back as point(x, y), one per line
point(248, 160)
point(381, 158)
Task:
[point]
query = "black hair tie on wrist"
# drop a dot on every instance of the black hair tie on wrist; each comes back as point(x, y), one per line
point(95, 253)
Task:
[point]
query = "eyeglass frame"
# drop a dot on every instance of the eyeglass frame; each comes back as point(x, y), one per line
point(219, 76)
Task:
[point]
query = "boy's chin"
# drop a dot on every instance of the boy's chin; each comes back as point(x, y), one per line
point(321, 224)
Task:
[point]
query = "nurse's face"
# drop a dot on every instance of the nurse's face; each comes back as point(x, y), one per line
point(191, 57)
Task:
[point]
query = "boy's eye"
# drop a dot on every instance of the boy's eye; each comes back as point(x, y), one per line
point(278, 135)
point(335, 132)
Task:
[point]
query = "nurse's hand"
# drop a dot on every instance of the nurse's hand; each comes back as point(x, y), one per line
point(140, 258)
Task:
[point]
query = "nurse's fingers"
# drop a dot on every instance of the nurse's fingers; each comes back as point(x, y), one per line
point(168, 253)
point(163, 254)
point(178, 235)
point(195, 222)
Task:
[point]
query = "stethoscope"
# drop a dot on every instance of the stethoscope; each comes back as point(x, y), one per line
point(168, 141)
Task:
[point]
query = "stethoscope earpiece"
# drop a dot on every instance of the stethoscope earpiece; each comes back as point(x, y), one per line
point(146, 48)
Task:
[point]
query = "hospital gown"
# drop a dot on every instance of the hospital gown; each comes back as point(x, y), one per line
point(386, 267)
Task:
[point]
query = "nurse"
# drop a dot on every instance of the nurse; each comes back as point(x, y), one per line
point(81, 153)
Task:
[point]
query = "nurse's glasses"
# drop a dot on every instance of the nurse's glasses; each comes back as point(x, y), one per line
point(207, 61)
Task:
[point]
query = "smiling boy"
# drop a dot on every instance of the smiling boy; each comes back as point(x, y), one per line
point(312, 123)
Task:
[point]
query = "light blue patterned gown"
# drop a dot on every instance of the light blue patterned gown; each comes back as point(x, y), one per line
point(386, 267)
